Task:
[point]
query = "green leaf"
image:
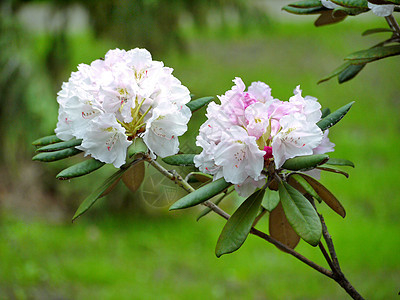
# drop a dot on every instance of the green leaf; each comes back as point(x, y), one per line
point(339, 162)
point(80, 169)
point(350, 72)
point(270, 200)
point(238, 226)
point(180, 159)
point(56, 155)
point(306, 4)
point(305, 162)
point(325, 112)
point(60, 145)
point(202, 194)
point(379, 2)
point(343, 11)
point(334, 117)
point(336, 72)
point(352, 3)
point(138, 146)
point(304, 11)
point(92, 198)
point(301, 214)
point(327, 18)
point(325, 195)
point(207, 210)
point(305, 185)
point(51, 139)
point(199, 103)
point(376, 30)
point(374, 53)
point(198, 177)
point(333, 170)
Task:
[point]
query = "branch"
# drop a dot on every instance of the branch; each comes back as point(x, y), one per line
point(329, 243)
point(174, 176)
point(290, 251)
point(393, 25)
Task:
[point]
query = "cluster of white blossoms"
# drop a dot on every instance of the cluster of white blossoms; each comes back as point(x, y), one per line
point(249, 130)
point(382, 10)
point(113, 100)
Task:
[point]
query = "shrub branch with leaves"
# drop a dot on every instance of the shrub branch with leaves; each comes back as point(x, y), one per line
point(331, 12)
point(127, 110)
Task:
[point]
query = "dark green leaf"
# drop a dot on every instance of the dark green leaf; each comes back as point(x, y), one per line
point(305, 162)
point(334, 117)
point(378, 2)
point(325, 195)
point(306, 4)
point(180, 159)
point(304, 11)
point(350, 72)
point(198, 177)
point(376, 30)
point(325, 112)
point(207, 210)
point(56, 155)
point(137, 146)
point(238, 226)
point(200, 195)
point(80, 169)
point(333, 170)
point(51, 139)
point(339, 162)
point(60, 145)
point(92, 198)
point(343, 11)
point(301, 214)
point(199, 103)
point(327, 18)
point(352, 3)
point(374, 53)
point(270, 200)
point(336, 72)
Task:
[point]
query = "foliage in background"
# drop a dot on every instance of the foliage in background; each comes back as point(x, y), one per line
point(356, 61)
point(137, 252)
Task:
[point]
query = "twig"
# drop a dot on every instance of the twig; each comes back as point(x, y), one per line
point(393, 25)
point(182, 183)
point(329, 243)
point(300, 257)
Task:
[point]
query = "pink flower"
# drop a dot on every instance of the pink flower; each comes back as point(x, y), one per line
point(251, 129)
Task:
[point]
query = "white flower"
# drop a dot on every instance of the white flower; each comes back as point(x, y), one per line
point(163, 128)
point(106, 141)
point(308, 106)
point(329, 4)
point(297, 137)
point(383, 10)
point(325, 146)
point(249, 130)
point(117, 99)
point(249, 186)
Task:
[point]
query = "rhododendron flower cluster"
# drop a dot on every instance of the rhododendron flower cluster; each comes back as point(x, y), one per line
point(125, 95)
point(249, 130)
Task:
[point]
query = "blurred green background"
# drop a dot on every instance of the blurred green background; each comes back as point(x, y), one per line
point(128, 247)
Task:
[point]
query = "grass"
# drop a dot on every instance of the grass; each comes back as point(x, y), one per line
point(106, 256)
